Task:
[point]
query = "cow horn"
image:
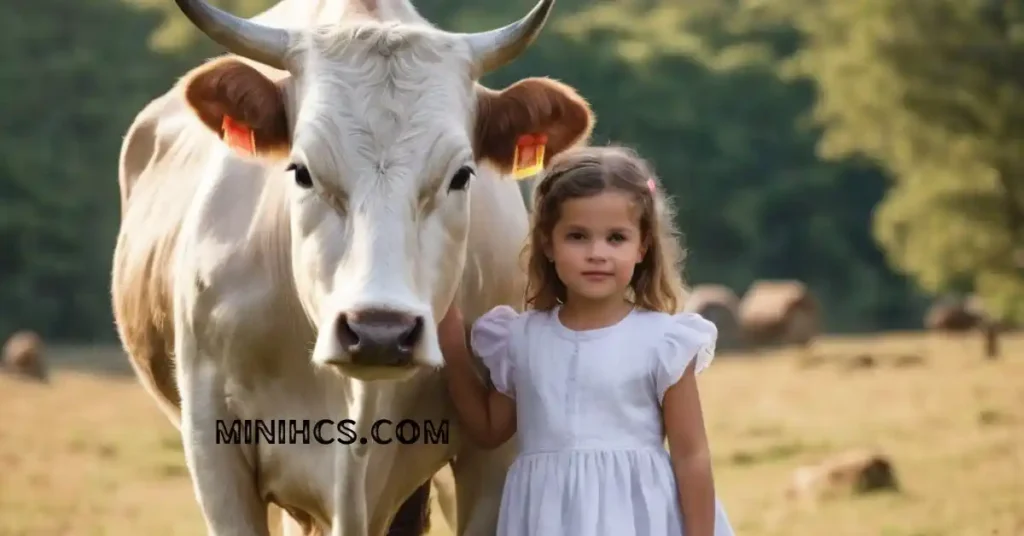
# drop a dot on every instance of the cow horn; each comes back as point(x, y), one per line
point(496, 48)
point(240, 36)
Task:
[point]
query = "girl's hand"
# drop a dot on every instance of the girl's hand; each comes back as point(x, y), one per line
point(489, 417)
point(451, 333)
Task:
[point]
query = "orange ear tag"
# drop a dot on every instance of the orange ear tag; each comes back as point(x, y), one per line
point(238, 136)
point(528, 159)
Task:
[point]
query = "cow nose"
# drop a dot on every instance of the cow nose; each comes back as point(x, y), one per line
point(378, 337)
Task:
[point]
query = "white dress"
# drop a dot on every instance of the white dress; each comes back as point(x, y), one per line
point(592, 460)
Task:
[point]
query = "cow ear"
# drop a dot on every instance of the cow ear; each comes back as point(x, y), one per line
point(530, 106)
point(241, 105)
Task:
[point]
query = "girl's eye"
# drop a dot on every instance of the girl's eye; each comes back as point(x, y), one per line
point(617, 238)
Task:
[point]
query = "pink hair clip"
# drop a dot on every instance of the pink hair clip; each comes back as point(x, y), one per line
point(651, 186)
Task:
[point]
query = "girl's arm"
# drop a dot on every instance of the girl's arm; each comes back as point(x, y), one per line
point(488, 416)
point(691, 458)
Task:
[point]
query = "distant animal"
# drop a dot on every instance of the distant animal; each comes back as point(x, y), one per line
point(296, 218)
point(954, 316)
point(775, 313)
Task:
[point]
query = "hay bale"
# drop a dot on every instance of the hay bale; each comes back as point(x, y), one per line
point(851, 473)
point(24, 355)
point(720, 305)
point(779, 313)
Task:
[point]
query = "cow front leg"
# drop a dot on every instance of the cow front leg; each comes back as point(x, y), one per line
point(382, 483)
point(366, 504)
point(222, 479)
point(351, 466)
point(479, 481)
point(350, 518)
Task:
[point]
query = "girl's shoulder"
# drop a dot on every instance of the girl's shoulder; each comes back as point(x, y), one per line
point(502, 321)
point(683, 336)
point(497, 335)
point(503, 315)
point(667, 325)
point(677, 340)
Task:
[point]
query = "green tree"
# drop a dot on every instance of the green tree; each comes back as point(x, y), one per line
point(934, 91)
point(704, 100)
point(693, 86)
point(74, 76)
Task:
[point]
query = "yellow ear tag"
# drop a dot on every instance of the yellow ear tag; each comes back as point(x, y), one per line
point(528, 159)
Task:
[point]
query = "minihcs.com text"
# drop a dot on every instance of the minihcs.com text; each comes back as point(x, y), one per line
point(329, 432)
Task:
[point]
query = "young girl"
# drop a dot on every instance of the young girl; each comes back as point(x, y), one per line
point(599, 369)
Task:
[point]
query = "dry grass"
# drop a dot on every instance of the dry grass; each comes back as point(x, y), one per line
point(90, 454)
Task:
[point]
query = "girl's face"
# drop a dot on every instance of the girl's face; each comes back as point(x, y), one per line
point(596, 245)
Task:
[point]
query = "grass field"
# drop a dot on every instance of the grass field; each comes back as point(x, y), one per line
point(89, 454)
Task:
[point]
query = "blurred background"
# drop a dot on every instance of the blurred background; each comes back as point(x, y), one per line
point(849, 177)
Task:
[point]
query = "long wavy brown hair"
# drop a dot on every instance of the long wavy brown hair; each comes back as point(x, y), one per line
point(657, 282)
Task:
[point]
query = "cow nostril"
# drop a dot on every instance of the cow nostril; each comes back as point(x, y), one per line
point(346, 336)
point(411, 336)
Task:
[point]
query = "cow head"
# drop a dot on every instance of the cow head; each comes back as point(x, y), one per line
point(379, 127)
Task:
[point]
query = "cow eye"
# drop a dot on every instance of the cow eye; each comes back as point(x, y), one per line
point(302, 177)
point(461, 178)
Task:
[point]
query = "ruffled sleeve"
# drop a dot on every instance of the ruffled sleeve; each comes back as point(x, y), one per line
point(688, 336)
point(491, 340)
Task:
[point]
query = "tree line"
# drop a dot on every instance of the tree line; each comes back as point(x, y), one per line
point(869, 148)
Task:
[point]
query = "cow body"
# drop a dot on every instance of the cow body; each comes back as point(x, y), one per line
point(233, 286)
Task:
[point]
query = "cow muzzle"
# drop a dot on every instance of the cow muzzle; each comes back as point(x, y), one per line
point(375, 343)
point(378, 337)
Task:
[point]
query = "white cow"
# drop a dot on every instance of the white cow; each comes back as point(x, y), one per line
point(304, 281)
